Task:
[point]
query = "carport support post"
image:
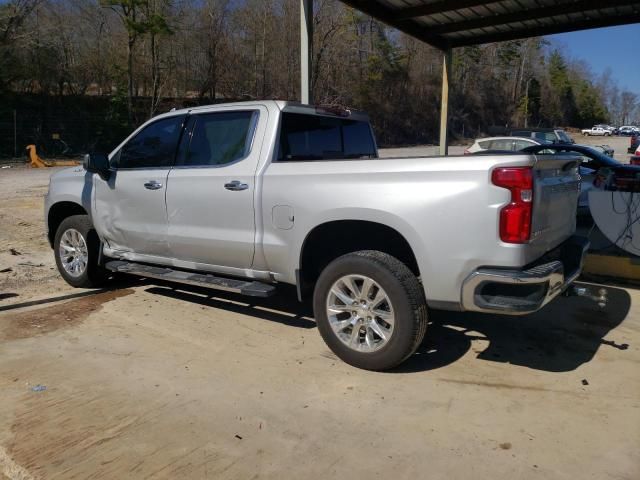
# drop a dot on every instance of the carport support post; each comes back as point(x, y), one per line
point(306, 49)
point(444, 106)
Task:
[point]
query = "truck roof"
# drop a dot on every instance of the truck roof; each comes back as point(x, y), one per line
point(285, 105)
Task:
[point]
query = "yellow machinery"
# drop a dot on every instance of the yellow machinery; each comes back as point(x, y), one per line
point(37, 162)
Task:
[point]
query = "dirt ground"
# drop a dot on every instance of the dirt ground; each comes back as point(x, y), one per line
point(153, 381)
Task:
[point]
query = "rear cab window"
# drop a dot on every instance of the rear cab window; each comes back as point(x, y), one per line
point(305, 137)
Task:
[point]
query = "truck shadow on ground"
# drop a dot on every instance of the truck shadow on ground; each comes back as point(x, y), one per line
point(559, 338)
point(282, 308)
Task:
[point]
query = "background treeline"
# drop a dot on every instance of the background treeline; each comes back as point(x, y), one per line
point(90, 70)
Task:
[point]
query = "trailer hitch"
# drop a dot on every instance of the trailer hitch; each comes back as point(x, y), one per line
point(601, 298)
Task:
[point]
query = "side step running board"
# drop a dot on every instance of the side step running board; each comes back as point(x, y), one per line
point(243, 287)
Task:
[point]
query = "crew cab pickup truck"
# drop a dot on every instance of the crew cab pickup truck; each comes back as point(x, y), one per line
point(243, 197)
point(595, 131)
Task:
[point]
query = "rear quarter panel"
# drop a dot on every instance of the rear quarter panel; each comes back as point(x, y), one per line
point(445, 207)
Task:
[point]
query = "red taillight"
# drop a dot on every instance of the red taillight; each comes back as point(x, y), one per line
point(515, 218)
point(467, 152)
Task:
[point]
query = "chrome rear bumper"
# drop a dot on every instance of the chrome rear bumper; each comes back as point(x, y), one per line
point(519, 292)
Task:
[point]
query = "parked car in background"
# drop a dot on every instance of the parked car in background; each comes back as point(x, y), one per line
point(606, 149)
point(508, 144)
point(514, 144)
point(613, 130)
point(628, 130)
point(553, 135)
point(634, 143)
point(635, 157)
point(596, 131)
point(592, 161)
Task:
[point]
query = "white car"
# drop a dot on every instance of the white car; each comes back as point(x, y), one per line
point(512, 144)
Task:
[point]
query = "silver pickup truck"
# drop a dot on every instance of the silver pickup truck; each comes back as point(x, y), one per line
point(242, 197)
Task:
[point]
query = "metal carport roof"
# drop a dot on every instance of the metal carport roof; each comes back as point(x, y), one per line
point(457, 23)
point(447, 24)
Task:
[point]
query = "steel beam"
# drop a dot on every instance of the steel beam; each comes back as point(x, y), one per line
point(306, 50)
point(439, 6)
point(387, 15)
point(590, 6)
point(517, 34)
point(444, 104)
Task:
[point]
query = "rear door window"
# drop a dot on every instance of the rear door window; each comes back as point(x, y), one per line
point(545, 136)
point(505, 144)
point(316, 137)
point(522, 144)
point(218, 139)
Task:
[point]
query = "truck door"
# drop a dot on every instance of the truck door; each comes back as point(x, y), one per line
point(130, 210)
point(210, 194)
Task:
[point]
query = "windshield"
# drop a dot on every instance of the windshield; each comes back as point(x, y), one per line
point(591, 158)
point(603, 159)
point(562, 135)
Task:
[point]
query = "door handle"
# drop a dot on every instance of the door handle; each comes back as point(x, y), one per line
point(152, 185)
point(236, 186)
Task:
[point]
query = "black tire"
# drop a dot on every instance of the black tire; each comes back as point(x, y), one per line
point(403, 290)
point(93, 275)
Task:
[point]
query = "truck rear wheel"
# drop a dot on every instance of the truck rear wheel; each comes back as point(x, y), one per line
point(370, 309)
point(75, 247)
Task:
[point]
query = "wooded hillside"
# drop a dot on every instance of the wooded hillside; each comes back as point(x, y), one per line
point(77, 66)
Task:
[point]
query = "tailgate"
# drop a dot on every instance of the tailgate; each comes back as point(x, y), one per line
point(555, 199)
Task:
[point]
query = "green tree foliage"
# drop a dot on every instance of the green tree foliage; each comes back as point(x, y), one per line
point(562, 108)
point(589, 107)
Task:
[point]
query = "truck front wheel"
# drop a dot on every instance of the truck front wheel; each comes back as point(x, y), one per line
point(76, 246)
point(370, 309)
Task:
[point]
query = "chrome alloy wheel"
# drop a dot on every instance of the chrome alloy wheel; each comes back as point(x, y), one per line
point(73, 252)
point(360, 313)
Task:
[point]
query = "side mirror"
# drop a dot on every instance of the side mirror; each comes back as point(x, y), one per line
point(97, 163)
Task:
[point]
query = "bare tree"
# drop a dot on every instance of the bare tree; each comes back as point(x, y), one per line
point(129, 12)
